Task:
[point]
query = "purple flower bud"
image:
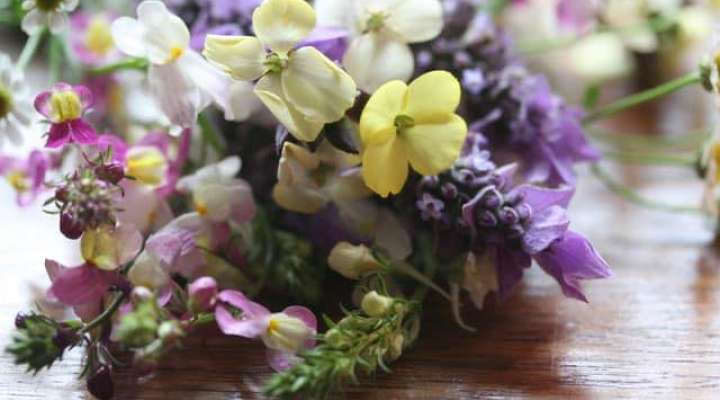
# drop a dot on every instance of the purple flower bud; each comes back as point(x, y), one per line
point(111, 173)
point(473, 81)
point(430, 207)
point(513, 198)
point(64, 337)
point(463, 175)
point(20, 320)
point(492, 199)
point(429, 182)
point(71, 226)
point(202, 294)
point(61, 194)
point(100, 383)
point(508, 216)
point(486, 218)
point(449, 191)
point(423, 59)
point(524, 211)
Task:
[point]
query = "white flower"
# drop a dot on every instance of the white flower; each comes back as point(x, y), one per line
point(182, 81)
point(50, 13)
point(217, 194)
point(382, 29)
point(15, 103)
point(301, 87)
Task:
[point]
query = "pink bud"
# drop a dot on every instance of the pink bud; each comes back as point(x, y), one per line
point(202, 294)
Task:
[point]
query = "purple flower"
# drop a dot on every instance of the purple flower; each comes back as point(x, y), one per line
point(330, 41)
point(64, 107)
point(284, 333)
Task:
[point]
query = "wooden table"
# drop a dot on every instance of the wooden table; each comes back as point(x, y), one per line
point(651, 331)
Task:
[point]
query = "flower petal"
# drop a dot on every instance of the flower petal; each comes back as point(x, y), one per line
point(545, 228)
point(177, 96)
point(317, 87)
point(242, 57)
point(82, 132)
point(377, 122)
point(415, 20)
point(434, 148)
point(229, 325)
point(165, 33)
point(281, 24)
point(57, 22)
point(80, 285)
point(373, 59)
point(385, 167)
point(238, 300)
point(432, 97)
point(128, 36)
point(269, 90)
point(33, 22)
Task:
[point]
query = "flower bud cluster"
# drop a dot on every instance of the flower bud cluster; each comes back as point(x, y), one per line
point(40, 341)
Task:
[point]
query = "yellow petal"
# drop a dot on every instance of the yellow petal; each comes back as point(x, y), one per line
point(281, 24)
point(317, 87)
point(377, 122)
point(433, 148)
point(242, 57)
point(432, 97)
point(269, 90)
point(385, 167)
point(147, 164)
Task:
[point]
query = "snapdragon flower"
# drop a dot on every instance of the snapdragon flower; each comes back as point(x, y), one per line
point(91, 38)
point(284, 333)
point(413, 124)
point(83, 287)
point(301, 87)
point(64, 106)
point(217, 194)
point(382, 31)
point(26, 176)
point(50, 13)
point(182, 82)
point(15, 104)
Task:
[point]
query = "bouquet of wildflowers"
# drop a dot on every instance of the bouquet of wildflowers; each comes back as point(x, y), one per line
point(212, 155)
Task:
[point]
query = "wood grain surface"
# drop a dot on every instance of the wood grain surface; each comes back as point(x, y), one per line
point(652, 331)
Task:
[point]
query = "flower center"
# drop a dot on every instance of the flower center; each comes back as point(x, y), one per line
point(48, 5)
point(18, 180)
point(375, 22)
point(98, 37)
point(6, 101)
point(403, 122)
point(65, 106)
point(175, 53)
point(201, 208)
point(276, 62)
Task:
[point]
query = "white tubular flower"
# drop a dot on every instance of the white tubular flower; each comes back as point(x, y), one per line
point(301, 87)
point(50, 13)
point(383, 29)
point(217, 195)
point(15, 103)
point(182, 81)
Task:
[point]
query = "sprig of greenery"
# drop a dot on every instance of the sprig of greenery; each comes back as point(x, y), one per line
point(358, 343)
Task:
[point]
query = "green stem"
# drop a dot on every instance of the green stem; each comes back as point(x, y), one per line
point(650, 158)
point(55, 59)
point(430, 266)
point(629, 194)
point(210, 134)
point(137, 64)
point(107, 313)
point(642, 97)
point(31, 46)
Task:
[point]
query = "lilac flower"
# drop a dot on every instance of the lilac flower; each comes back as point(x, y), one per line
point(214, 17)
point(284, 333)
point(26, 176)
point(64, 107)
point(513, 109)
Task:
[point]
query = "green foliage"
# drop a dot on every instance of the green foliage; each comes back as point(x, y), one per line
point(40, 341)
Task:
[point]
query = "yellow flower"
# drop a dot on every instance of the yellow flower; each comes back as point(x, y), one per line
point(147, 164)
point(301, 87)
point(413, 124)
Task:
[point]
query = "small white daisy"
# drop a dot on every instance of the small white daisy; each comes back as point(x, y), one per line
point(50, 13)
point(16, 109)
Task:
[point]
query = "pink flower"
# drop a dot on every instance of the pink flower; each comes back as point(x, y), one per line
point(26, 176)
point(202, 293)
point(284, 333)
point(91, 38)
point(64, 107)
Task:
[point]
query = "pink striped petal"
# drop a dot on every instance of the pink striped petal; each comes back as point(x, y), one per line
point(82, 132)
point(58, 136)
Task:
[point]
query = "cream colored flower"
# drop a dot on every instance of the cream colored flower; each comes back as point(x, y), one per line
point(307, 181)
point(50, 13)
point(352, 261)
point(301, 87)
point(382, 30)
